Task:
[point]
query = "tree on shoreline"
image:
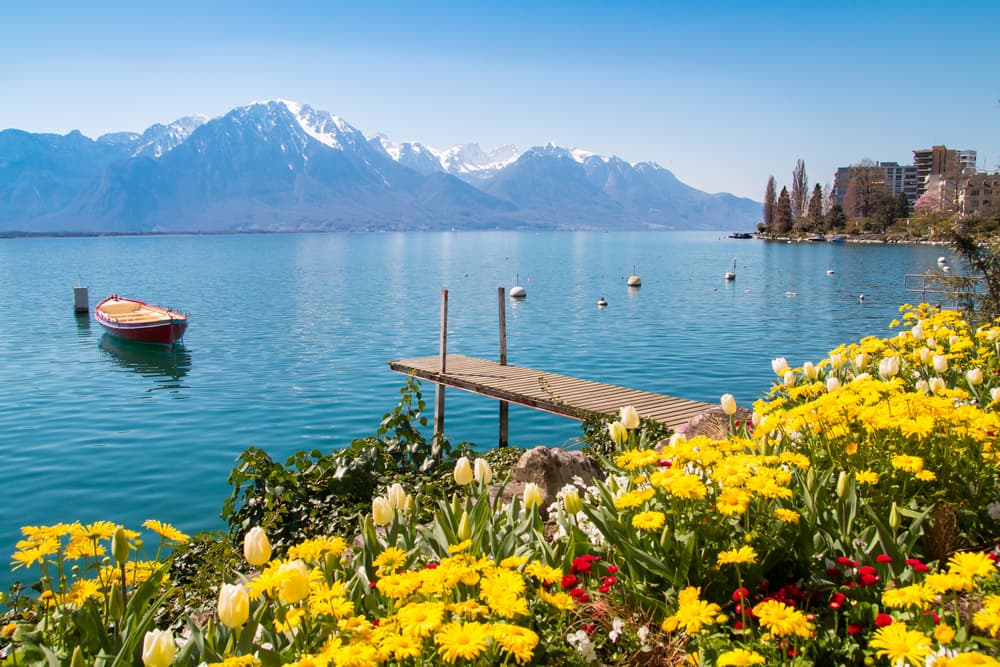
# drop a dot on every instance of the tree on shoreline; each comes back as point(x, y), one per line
point(770, 203)
point(800, 191)
point(783, 213)
point(815, 214)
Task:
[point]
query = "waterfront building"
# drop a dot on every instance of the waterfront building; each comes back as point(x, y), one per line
point(981, 195)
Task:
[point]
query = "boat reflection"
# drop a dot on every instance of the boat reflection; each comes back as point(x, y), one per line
point(164, 364)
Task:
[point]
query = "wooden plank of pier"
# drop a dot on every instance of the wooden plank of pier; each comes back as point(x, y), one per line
point(558, 394)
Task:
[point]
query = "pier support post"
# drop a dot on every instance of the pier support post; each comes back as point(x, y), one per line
point(439, 388)
point(504, 405)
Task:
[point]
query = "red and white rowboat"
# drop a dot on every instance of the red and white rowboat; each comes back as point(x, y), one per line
point(138, 321)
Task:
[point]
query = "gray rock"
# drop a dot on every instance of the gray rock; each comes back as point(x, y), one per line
point(713, 423)
point(551, 469)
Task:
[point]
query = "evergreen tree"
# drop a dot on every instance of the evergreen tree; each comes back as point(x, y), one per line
point(815, 214)
point(770, 202)
point(800, 191)
point(836, 219)
point(885, 212)
point(783, 213)
point(902, 206)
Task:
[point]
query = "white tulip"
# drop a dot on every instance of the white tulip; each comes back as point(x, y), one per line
point(937, 385)
point(728, 402)
point(888, 367)
point(789, 379)
point(974, 377)
point(921, 386)
point(629, 417)
point(482, 471)
point(995, 393)
point(925, 355)
point(809, 370)
point(918, 332)
point(836, 361)
point(940, 363)
point(832, 383)
point(396, 496)
point(860, 359)
point(780, 366)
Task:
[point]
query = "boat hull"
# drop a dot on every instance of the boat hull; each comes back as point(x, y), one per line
point(162, 326)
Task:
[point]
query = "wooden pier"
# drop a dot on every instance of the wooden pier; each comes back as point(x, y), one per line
point(558, 394)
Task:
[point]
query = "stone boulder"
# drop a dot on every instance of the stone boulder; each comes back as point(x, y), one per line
point(713, 423)
point(551, 469)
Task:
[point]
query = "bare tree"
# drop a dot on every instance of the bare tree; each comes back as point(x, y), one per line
point(800, 190)
point(770, 201)
point(864, 189)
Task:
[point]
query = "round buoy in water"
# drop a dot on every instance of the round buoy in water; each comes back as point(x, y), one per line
point(861, 297)
point(601, 303)
point(830, 272)
point(517, 292)
point(942, 259)
point(634, 281)
point(946, 268)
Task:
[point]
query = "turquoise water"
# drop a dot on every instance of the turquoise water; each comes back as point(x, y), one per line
point(290, 335)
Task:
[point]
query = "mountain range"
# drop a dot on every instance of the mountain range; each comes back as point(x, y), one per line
point(282, 166)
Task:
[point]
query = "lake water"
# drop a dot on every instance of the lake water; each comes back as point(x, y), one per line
point(290, 335)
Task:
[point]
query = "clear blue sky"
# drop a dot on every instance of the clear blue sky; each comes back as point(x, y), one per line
point(723, 94)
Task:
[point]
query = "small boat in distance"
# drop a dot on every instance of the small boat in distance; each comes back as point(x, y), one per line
point(138, 321)
point(731, 275)
point(741, 235)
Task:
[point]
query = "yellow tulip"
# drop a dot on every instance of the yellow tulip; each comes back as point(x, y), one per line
point(532, 495)
point(572, 501)
point(256, 547)
point(234, 605)
point(464, 527)
point(119, 546)
point(381, 511)
point(617, 432)
point(728, 402)
point(463, 472)
point(293, 582)
point(158, 648)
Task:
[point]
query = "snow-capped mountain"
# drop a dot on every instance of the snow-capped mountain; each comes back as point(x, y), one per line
point(280, 165)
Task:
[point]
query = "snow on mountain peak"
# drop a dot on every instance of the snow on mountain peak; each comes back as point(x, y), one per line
point(323, 126)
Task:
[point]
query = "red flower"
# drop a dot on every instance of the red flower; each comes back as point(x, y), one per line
point(867, 579)
point(834, 572)
point(604, 588)
point(612, 569)
point(883, 620)
point(935, 617)
point(377, 622)
point(740, 594)
point(568, 581)
point(846, 562)
point(866, 569)
point(431, 566)
point(582, 563)
point(883, 558)
point(665, 464)
point(853, 628)
point(589, 628)
point(836, 600)
point(609, 581)
point(737, 625)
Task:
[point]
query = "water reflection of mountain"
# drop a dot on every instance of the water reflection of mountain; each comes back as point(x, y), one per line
point(166, 365)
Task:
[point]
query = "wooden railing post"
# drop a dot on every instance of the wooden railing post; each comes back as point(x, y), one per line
point(439, 388)
point(504, 405)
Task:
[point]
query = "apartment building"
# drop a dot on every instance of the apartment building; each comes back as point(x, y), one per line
point(981, 196)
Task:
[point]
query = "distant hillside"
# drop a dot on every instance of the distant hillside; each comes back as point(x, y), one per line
point(281, 166)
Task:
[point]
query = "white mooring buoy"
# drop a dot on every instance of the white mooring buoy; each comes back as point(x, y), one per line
point(517, 292)
point(601, 303)
point(81, 302)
